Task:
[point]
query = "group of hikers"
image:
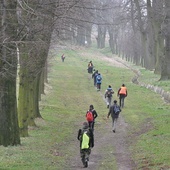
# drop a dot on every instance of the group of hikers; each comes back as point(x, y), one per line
point(86, 133)
point(97, 77)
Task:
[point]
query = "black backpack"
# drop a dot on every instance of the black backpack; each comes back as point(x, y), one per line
point(116, 109)
point(109, 93)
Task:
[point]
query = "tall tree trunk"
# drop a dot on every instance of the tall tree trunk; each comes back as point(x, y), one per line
point(81, 36)
point(136, 55)
point(157, 9)
point(144, 57)
point(150, 42)
point(111, 41)
point(9, 130)
point(23, 92)
point(101, 36)
point(165, 72)
point(88, 34)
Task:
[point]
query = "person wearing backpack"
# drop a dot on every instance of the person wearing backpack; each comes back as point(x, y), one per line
point(98, 81)
point(91, 115)
point(114, 112)
point(90, 67)
point(94, 75)
point(108, 95)
point(85, 136)
point(122, 93)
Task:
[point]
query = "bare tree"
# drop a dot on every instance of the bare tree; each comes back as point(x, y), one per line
point(9, 130)
point(36, 26)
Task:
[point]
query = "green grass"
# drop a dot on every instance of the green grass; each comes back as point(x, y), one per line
point(68, 95)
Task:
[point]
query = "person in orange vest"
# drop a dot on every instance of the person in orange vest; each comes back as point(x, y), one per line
point(122, 93)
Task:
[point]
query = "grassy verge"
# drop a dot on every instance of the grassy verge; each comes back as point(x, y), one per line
point(148, 116)
point(69, 93)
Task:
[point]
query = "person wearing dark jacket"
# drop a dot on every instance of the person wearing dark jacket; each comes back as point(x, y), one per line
point(91, 124)
point(85, 136)
point(98, 81)
point(114, 112)
point(90, 67)
point(94, 75)
point(108, 95)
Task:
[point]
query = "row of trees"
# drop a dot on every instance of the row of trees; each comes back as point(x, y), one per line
point(138, 30)
point(26, 29)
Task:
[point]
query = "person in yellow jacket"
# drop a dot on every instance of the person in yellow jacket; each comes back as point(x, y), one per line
point(122, 93)
point(85, 136)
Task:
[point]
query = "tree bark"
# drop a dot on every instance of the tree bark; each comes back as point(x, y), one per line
point(165, 72)
point(9, 130)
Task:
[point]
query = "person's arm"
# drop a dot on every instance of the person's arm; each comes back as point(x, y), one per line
point(109, 112)
point(79, 134)
point(95, 114)
point(91, 138)
point(105, 95)
point(118, 92)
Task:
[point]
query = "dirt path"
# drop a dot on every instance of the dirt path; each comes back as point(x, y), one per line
point(118, 141)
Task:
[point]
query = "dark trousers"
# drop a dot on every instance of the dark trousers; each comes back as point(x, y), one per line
point(90, 70)
point(84, 153)
point(121, 100)
point(98, 86)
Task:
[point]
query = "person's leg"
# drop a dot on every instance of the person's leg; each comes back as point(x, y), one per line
point(94, 81)
point(93, 125)
point(123, 98)
point(120, 98)
point(90, 125)
point(99, 86)
point(113, 119)
point(82, 154)
point(114, 125)
point(87, 154)
point(110, 101)
point(107, 102)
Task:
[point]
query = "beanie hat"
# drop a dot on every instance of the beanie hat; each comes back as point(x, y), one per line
point(85, 125)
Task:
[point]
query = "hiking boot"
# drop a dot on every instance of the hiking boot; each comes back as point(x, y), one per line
point(85, 164)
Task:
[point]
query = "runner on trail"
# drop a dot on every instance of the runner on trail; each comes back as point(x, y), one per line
point(108, 95)
point(94, 75)
point(98, 81)
point(94, 114)
point(90, 67)
point(85, 136)
point(122, 93)
point(114, 112)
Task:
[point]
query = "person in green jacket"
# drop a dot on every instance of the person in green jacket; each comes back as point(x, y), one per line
point(86, 138)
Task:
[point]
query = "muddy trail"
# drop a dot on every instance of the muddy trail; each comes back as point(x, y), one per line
point(117, 142)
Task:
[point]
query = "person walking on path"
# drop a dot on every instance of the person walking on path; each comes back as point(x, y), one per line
point(85, 136)
point(62, 57)
point(94, 114)
point(114, 112)
point(108, 95)
point(122, 93)
point(98, 81)
point(94, 75)
point(90, 67)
